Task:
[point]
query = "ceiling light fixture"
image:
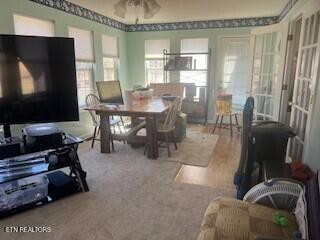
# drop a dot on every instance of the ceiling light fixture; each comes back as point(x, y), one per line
point(150, 8)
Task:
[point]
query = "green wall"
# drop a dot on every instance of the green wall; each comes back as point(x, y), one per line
point(131, 47)
point(62, 21)
point(135, 49)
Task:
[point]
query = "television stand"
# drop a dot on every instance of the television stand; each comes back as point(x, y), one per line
point(43, 162)
point(7, 131)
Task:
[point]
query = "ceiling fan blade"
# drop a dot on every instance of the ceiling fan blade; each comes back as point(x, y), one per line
point(146, 12)
point(151, 7)
point(120, 8)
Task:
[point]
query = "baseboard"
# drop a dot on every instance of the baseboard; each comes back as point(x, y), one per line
point(86, 136)
point(211, 121)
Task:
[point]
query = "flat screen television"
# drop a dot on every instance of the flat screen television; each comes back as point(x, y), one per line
point(37, 80)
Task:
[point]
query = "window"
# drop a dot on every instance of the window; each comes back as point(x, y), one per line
point(154, 60)
point(110, 68)
point(235, 69)
point(85, 81)
point(32, 26)
point(199, 62)
point(110, 58)
point(24, 25)
point(84, 62)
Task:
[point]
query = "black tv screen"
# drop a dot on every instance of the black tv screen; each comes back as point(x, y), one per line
point(37, 80)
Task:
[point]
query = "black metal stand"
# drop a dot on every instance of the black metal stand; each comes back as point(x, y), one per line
point(6, 130)
point(43, 162)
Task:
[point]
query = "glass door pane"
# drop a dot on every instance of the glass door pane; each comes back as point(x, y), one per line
point(265, 73)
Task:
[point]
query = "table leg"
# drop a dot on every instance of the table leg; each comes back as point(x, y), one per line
point(151, 126)
point(105, 137)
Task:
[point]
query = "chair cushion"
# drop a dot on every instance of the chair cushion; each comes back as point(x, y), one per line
point(231, 219)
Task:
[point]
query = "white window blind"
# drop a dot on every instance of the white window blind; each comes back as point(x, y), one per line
point(109, 46)
point(200, 61)
point(83, 44)
point(32, 26)
point(196, 45)
point(154, 48)
point(235, 69)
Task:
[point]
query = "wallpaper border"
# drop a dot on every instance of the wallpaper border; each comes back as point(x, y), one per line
point(77, 10)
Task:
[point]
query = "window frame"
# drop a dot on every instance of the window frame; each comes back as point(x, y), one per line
point(116, 67)
point(153, 69)
point(92, 82)
point(154, 57)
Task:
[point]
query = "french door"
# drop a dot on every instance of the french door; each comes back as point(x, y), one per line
point(268, 48)
point(307, 76)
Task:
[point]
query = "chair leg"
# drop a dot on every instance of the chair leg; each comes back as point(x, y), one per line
point(120, 131)
point(119, 127)
point(145, 149)
point(215, 126)
point(221, 122)
point(174, 140)
point(237, 122)
point(94, 136)
point(168, 144)
point(231, 125)
point(112, 144)
point(121, 119)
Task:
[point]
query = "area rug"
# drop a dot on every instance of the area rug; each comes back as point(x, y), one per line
point(196, 149)
point(130, 198)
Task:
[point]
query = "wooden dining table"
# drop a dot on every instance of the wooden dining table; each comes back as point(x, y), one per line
point(148, 109)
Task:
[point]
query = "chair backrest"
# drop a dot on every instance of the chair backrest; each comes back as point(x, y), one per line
point(224, 104)
point(92, 100)
point(173, 89)
point(171, 116)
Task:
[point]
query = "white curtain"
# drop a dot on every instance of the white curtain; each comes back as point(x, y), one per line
point(109, 46)
point(154, 48)
point(235, 69)
point(32, 26)
point(83, 44)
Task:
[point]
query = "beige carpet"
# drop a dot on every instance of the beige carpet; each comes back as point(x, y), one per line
point(130, 198)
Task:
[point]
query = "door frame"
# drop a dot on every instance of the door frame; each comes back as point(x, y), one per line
point(289, 77)
point(283, 29)
point(309, 9)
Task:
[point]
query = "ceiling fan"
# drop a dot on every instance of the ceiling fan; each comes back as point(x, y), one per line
point(150, 8)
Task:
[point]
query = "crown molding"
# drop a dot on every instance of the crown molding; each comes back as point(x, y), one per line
point(82, 12)
point(287, 9)
point(197, 25)
point(79, 11)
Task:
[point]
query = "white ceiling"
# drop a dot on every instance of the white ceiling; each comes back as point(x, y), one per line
point(192, 10)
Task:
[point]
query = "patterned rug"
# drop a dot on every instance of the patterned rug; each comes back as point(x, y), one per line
point(196, 149)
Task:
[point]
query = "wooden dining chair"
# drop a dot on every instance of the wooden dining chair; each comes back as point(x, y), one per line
point(92, 100)
point(167, 126)
point(224, 109)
